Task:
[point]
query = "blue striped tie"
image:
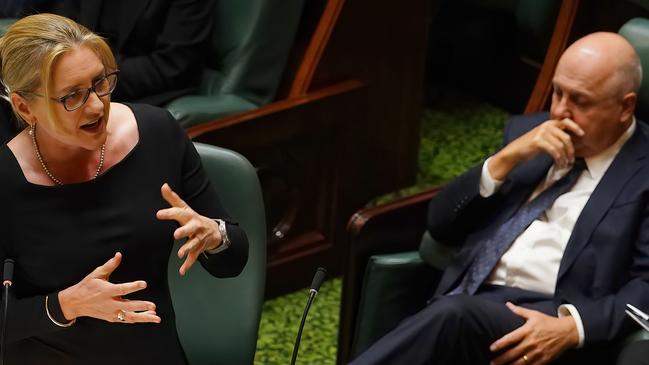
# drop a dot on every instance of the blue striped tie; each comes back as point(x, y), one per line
point(493, 248)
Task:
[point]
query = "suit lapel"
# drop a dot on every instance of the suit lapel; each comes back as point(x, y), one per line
point(128, 20)
point(626, 164)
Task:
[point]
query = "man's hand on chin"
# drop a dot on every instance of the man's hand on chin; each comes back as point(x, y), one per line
point(540, 340)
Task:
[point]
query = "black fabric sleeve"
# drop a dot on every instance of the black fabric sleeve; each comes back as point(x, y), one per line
point(457, 209)
point(27, 317)
point(199, 194)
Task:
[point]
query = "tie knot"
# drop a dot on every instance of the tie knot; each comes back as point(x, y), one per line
point(579, 164)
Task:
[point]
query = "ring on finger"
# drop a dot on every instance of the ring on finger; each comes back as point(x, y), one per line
point(525, 358)
point(121, 316)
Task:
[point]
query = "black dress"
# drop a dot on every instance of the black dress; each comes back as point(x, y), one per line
point(58, 234)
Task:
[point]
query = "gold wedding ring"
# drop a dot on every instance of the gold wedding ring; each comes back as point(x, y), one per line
point(121, 316)
point(525, 358)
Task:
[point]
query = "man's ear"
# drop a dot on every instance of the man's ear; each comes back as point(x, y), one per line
point(22, 107)
point(628, 106)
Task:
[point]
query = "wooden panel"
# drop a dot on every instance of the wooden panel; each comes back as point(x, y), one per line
point(560, 37)
point(316, 48)
point(298, 147)
point(347, 131)
point(383, 44)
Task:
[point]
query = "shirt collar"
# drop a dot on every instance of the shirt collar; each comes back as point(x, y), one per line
point(599, 163)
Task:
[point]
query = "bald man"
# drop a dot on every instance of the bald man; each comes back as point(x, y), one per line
point(552, 230)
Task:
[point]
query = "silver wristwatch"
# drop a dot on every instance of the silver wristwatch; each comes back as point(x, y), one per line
point(225, 241)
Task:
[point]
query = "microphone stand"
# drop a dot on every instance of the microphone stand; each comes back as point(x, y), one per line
point(8, 277)
point(315, 286)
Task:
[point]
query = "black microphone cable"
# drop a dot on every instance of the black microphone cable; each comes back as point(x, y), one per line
point(318, 278)
point(8, 274)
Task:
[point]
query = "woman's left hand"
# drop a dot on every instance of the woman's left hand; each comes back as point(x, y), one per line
point(202, 233)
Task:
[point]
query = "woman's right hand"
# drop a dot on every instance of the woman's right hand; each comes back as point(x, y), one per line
point(96, 297)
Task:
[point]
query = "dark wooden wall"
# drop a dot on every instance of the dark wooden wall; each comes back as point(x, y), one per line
point(346, 129)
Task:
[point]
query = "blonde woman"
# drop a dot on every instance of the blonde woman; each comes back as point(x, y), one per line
point(94, 194)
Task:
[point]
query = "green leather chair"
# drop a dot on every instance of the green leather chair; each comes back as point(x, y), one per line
point(250, 47)
point(636, 31)
point(395, 283)
point(218, 319)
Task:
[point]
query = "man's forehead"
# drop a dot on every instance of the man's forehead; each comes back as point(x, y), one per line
point(585, 70)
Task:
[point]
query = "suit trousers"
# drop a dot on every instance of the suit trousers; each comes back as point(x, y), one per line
point(458, 329)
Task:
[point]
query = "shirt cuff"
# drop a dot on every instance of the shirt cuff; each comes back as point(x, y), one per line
point(566, 310)
point(488, 185)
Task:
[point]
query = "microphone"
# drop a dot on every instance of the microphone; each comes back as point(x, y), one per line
point(318, 278)
point(8, 272)
point(7, 277)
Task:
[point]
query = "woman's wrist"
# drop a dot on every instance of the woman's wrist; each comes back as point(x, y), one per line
point(65, 303)
point(54, 313)
point(223, 242)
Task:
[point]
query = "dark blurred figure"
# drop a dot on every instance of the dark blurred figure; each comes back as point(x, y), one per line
point(158, 43)
point(16, 9)
point(20, 8)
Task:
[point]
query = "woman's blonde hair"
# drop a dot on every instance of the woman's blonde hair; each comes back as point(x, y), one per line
point(31, 46)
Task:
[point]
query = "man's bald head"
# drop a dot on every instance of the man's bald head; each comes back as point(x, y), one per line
point(609, 58)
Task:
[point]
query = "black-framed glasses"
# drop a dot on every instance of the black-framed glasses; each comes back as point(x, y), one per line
point(101, 87)
point(74, 100)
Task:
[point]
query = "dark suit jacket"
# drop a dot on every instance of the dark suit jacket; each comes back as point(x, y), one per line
point(160, 45)
point(606, 262)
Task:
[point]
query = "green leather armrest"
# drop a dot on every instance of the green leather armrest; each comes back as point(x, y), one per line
point(395, 286)
point(435, 253)
point(196, 109)
point(638, 335)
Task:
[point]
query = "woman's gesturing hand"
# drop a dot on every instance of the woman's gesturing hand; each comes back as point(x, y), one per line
point(96, 297)
point(202, 233)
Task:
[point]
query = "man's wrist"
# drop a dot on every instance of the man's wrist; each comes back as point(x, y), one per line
point(572, 335)
point(502, 163)
point(570, 312)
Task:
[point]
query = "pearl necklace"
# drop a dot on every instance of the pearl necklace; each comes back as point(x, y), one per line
point(32, 132)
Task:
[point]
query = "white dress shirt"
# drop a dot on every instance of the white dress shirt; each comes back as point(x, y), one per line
point(532, 261)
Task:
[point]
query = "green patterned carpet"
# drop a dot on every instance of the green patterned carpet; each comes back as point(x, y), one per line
point(457, 133)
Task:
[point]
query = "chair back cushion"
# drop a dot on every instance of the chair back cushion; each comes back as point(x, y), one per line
point(636, 31)
point(218, 319)
point(250, 46)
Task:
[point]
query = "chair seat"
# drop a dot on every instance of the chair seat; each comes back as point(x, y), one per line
point(395, 286)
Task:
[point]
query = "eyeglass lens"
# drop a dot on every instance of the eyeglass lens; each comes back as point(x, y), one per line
point(101, 87)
